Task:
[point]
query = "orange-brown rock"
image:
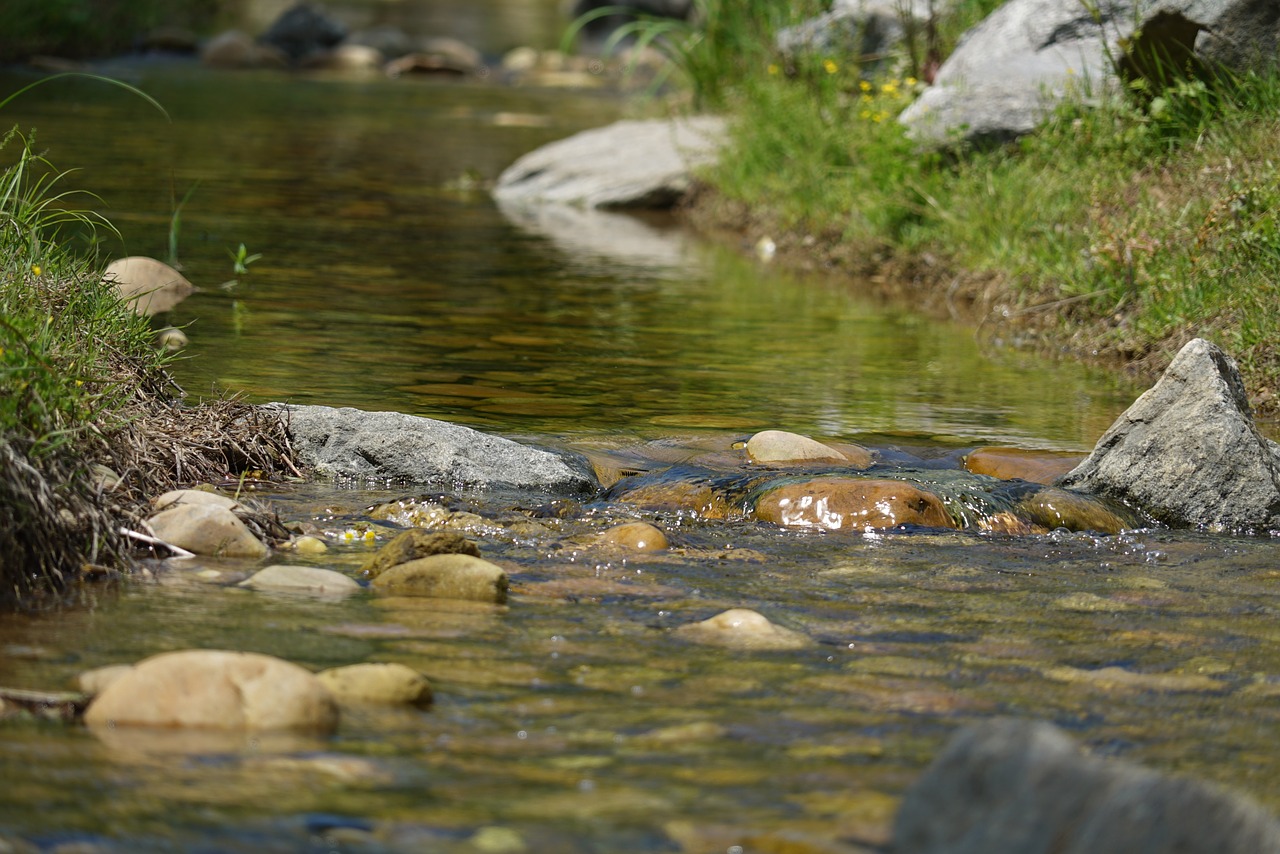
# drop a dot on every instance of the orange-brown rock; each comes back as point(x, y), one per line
point(697, 498)
point(637, 536)
point(1011, 463)
point(851, 504)
point(1051, 508)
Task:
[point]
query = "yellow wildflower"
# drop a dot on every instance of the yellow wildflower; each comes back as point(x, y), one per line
point(35, 268)
point(865, 114)
point(829, 66)
point(911, 81)
point(890, 88)
point(864, 85)
point(773, 69)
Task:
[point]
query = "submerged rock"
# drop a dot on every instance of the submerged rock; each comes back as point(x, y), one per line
point(390, 446)
point(445, 576)
point(1187, 451)
point(377, 683)
point(417, 543)
point(637, 536)
point(215, 689)
point(742, 628)
point(1010, 463)
point(629, 164)
point(1021, 787)
point(206, 529)
point(851, 504)
point(302, 579)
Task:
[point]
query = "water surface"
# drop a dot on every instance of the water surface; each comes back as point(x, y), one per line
point(577, 719)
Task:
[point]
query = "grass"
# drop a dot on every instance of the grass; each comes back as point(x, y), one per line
point(1117, 231)
point(91, 425)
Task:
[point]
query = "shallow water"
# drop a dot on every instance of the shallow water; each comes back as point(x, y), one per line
point(576, 718)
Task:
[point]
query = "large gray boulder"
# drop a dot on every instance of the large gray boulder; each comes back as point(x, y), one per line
point(1010, 70)
point(392, 447)
point(1020, 787)
point(628, 164)
point(1187, 451)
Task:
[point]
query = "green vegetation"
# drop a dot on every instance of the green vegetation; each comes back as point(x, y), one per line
point(91, 28)
point(1119, 230)
point(91, 425)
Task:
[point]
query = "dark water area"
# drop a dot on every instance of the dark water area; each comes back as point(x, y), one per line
point(577, 717)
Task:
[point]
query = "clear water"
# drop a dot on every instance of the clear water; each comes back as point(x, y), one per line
point(576, 718)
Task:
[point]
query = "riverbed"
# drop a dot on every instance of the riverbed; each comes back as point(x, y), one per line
point(576, 717)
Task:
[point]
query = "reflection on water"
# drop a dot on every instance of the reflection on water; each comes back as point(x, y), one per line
point(576, 719)
point(382, 288)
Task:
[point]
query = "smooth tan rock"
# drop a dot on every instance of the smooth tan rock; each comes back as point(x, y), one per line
point(150, 286)
point(1020, 463)
point(95, 681)
point(174, 497)
point(309, 545)
point(417, 543)
point(206, 530)
point(851, 504)
point(778, 446)
point(742, 628)
point(638, 536)
point(215, 689)
point(445, 576)
point(302, 579)
point(377, 683)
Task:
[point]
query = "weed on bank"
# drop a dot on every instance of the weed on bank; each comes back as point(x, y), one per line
point(1130, 222)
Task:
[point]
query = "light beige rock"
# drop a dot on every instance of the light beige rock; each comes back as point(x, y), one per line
point(174, 497)
point(206, 530)
point(638, 536)
point(377, 683)
point(95, 681)
point(742, 628)
point(302, 579)
point(309, 545)
point(445, 576)
point(778, 446)
point(215, 689)
point(151, 286)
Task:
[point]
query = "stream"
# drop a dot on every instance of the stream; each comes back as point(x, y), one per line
point(576, 718)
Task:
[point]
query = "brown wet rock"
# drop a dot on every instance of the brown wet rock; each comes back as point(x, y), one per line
point(1051, 507)
point(697, 498)
point(445, 576)
point(851, 504)
point(636, 536)
point(417, 543)
point(1020, 463)
point(215, 689)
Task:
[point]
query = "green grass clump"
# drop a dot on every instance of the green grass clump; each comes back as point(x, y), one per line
point(1122, 228)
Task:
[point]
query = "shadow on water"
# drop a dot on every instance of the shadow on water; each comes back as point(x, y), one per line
point(578, 718)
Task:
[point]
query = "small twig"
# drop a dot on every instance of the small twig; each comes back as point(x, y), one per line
point(178, 551)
